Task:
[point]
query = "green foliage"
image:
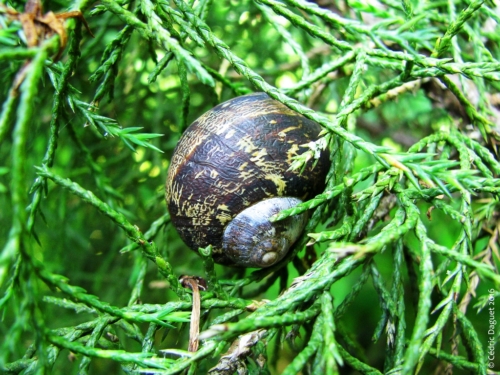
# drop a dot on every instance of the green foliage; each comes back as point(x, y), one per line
point(397, 271)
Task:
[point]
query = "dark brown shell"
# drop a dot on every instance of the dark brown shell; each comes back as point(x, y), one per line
point(233, 156)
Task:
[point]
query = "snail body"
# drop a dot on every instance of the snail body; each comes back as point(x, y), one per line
point(230, 173)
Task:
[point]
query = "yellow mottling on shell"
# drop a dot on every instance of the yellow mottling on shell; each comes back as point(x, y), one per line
point(245, 175)
point(223, 207)
point(213, 173)
point(200, 212)
point(278, 181)
point(292, 151)
point(229, 187)
point(246, 144)
point(175, 193)
point(259, 156)
point(290, 128)
point(224, 218)
point(264, 163)
point(198, 175)
point(201, 220)
point(219, 122)
point(243, 166)
point(212, 128)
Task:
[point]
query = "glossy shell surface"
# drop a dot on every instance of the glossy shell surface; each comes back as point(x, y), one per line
point(233, 156)
point(252, 240)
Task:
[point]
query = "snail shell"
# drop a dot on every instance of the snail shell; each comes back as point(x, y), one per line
point(230, 172)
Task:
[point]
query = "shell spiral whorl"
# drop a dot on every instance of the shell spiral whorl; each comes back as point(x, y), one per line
point(231, 158)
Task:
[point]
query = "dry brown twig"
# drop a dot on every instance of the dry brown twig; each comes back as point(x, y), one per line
point(38, 26)
point(194, 283)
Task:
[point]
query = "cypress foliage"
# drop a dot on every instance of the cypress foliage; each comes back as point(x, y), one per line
point(397, 271)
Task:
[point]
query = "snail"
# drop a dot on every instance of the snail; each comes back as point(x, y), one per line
point(230, 173)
